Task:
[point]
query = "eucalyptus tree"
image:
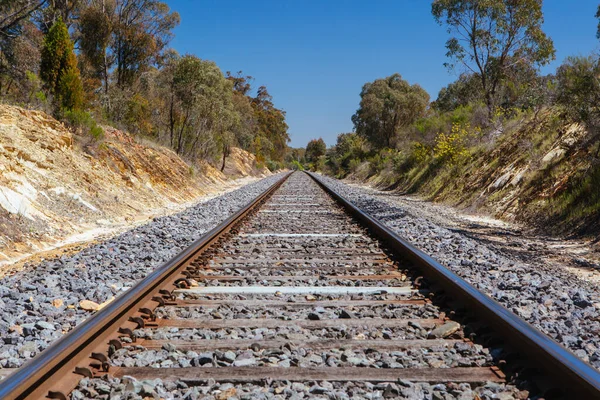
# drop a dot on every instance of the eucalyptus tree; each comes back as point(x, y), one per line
point(490, 37)
point(386, 107)
point(272, 135)
point(125, 37)
point(200, 112)
point(13, 12)
point(315, 149)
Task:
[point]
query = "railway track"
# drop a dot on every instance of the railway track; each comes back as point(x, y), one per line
point(301, 295)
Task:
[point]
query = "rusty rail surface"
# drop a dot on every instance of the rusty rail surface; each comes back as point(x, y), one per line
point(578, 377)
point(87, 343)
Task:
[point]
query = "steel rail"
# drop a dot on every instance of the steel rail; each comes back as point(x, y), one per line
point(577, 378)
point(38, 377)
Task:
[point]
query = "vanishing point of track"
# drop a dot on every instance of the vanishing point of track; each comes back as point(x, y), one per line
point(343, 298)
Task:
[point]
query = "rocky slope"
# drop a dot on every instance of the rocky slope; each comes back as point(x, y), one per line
point(53, 186)
point(538, 170)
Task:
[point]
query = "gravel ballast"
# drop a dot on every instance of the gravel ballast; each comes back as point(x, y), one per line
point(553, 299)
point(40, 303)
point(221, 332)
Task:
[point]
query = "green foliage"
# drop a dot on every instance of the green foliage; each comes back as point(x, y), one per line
point(380, 160)
point(96, 30)
point(315, 149)
point(271, 124)
point(200, 109)
point(347, 154)
point(452, 148)
point(386, 107)
point(295, 155)
point(70, 88)
point(59, 69)
point(125, 72)
point(295, 164)
point(499, 34)
point(36, 95)
point(138, 116)
point(41, 96)
point(84, 122)
point(580, 202)
point(274, 165)
point(97, 133)
point(578, 88)
point(464, 91)
point(420, 152)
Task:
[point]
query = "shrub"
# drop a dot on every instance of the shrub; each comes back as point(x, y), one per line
point(452, 148)
point(138, 116)
point(274, 165)
point(420, 152)
point(295, 164)
point(353, 164)
point(83, 122)
point(59, 69)
point(578, 88)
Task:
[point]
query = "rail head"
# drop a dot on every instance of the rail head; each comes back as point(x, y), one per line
point(580, 378)
point(35, 378)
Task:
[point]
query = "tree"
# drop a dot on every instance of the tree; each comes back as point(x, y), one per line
point(19, 45)
point(386, 107)
point(59, 69)
point(19, 56)
point(349, 149)
point(246, 125)
point(466, 89)
point(272, 136)
point(13, 12)
point(67, 10)
point(95, 29)
point(241, 83)
point(598, 16)
point(578, 92)
point(491, 36)
point(128, 36)
point(142, 29)
point(315, 149)
point(200, 114)
point(579, 89)
point(295, 155)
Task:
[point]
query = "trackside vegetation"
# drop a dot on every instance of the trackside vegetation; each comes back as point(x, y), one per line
point(108, 62)
point(502, 137)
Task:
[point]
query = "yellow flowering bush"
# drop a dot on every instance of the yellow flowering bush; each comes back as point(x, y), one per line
point(420, 152)
point(452, 148)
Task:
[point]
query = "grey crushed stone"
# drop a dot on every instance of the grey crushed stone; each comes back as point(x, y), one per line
point(558, 303)
point(29, 320)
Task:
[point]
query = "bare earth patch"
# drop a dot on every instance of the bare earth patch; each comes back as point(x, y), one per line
point(94, 235)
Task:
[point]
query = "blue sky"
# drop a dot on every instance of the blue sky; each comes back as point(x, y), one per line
point(315, 55)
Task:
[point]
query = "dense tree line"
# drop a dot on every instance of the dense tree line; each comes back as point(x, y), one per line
point(110, 61)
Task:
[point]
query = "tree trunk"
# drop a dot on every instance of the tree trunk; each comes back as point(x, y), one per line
point(180, 139)
point(223, 164)
point(172, 121)
point(489, 101)
point(105, 73)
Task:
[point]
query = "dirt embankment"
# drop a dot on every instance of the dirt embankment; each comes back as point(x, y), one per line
point(52, 190)
point(538, 172)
